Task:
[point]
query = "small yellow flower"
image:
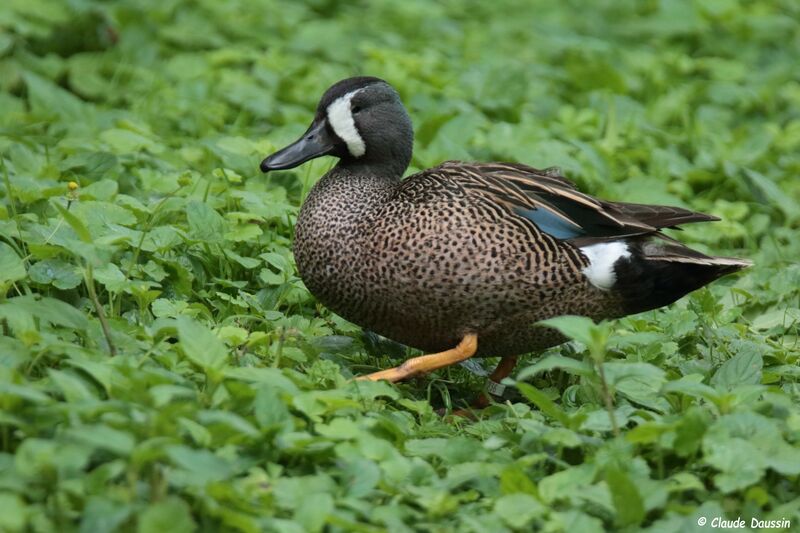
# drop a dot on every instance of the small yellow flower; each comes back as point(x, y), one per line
point(73, 186)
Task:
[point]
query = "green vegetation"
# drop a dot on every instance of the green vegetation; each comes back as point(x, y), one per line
point(229, 403)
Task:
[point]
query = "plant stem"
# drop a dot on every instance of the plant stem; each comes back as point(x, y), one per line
point(609, 401)
point(99, 310)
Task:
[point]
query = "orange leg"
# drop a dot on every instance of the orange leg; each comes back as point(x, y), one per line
point(428, 363)
point(503, 369)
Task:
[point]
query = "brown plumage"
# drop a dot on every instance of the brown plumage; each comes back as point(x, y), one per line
point(470, 249)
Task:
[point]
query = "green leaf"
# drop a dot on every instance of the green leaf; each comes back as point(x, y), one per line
point(104, 437)
point(48, 98)
point(123, 141)
point(272, 377)
point(313, 510)
point(269, 409)
point(772, 193)
point(744, 368)
point(567, 484)
point(557, 362)
point(625, 495)
point(513, 479)
point(199, 466)
point(640, 382)
point(111, 277)
point(577, 328)
point(171, 514)
point(60, 274)
point(200, 345)
point(777, 317)
point(691, 385)
point(584, 330)
point(360, 476)
point(545, 404)
point(50, 310)
point(72, 387)
point(575, 520)
point(102, 515)
point(75, 223)
point(12, 268)
point(13, 512)
point(518, 510)
point(205, 224)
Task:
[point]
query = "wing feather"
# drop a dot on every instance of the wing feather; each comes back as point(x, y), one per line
point(550, 200)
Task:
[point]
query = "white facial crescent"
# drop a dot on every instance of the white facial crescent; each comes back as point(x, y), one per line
point(341, 120)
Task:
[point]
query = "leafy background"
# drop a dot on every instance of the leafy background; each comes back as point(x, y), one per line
point(228, 403)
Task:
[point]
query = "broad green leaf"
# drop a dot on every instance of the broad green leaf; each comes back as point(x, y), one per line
point(47, 97)
point(111, 277)
point(232, 421)
point(518, 510)
point(691, 385)
point(104, 437)
point(566, 484)
point(201, 346)
point(270, 411)
point(72, 387)
point(744, 368)
point(271, 377)
point(60, 274)
point(11, 266)
point(772, 193)
point(544, 403)
point(205, 224)
point(171, 514)
point(313, 510)
point(103, 515)
point(578, 328)
point(13, 512)
point(639, 382)
point(75, 223)
point(123, 141)
point(361, 477)
point(777, 317)
point(50, 310)
point(556, 362)
point(584, 330)
point(625, 494)
point(200, 466)
point(575, 520)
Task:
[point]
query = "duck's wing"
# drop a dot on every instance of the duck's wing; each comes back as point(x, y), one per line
point(554, 204)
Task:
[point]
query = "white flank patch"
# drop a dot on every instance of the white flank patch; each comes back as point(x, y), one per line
point(341, 120)
point(602, 257)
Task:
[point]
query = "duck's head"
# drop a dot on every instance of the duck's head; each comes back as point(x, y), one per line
point(359, 120)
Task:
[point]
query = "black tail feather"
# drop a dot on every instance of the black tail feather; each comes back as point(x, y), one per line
point(661, 271)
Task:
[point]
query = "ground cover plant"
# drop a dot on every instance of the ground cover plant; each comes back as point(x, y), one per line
point(163, 368)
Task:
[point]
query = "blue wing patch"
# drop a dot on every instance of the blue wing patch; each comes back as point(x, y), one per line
point(551, 224)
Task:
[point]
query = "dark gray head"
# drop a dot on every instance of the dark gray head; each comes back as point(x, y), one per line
point(359, 120)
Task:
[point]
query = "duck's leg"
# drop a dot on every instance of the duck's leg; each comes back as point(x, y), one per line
point(428, 363)
point(502, 370)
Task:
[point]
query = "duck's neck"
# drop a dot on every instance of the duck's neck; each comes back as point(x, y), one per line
point(387, 166)
point(346, 194)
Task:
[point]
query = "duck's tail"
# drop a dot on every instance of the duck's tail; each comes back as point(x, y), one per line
point(659, 270)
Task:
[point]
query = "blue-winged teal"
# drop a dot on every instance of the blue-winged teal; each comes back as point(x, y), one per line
point(463, 259)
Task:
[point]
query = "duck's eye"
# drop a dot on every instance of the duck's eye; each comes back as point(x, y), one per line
point(356, 109)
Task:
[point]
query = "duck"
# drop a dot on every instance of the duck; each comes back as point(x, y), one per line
point(465, 259)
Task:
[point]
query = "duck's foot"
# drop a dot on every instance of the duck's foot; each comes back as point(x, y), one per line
point(428, 363)
point(493, 386)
